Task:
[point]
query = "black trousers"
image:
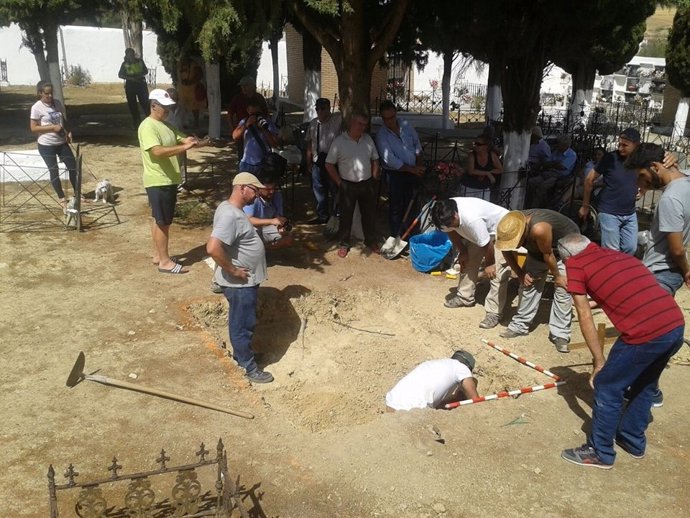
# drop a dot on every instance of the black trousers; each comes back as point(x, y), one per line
point(349, 194)
point(137, 92)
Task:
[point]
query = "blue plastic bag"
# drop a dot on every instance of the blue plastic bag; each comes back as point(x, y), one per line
point(428, 250)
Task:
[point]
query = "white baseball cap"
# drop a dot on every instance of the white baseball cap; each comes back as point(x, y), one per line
point(161, 97)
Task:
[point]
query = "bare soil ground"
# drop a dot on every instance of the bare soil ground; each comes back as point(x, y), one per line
point(335, 333)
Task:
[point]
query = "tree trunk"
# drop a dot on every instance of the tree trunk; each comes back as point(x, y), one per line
point(354, 86)
point(583, 86)
point(494, 99)
point(311, 56)
point(273, 44)
point(213, 96)
point(355, 48)
point(50, 33)
point(521, 83)
point(681, 119)
point(448, 57)
point(33, 40)
point(132, 32)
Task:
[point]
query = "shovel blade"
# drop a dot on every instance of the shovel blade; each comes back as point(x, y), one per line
point(392, 247)
point(77, 373)
point(332, 226)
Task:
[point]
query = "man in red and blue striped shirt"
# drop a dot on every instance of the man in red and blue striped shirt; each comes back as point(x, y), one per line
point(651, 326)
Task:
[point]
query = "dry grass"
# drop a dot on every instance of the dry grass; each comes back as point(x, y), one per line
point(660, 22)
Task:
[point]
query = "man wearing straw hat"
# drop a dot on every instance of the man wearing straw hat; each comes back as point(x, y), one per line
point(538, 231)
point(651, 326)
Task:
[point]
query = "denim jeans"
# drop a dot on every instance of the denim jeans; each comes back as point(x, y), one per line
point(322, 185)
point(50, 155)
point(245, 167)
point(637, 367)
point(670, 280)
point(401, 188)
point(618, 232)
point(241, 323)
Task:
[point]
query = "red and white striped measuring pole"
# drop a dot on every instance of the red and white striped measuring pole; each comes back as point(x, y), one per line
point(505, 393)
point(522, 360)
point(510, 393)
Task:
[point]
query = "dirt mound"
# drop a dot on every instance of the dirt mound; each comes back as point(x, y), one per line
point(337, 353)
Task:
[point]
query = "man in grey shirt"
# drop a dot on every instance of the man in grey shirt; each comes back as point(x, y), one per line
point(669, 234)
point(238, 251)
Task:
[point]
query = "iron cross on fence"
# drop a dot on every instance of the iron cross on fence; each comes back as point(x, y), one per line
point(162, 459)
point(114, 467)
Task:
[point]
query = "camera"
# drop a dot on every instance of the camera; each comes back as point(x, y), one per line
point(262, 122)
point(286, 228)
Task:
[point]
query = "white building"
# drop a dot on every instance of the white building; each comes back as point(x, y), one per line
point(99, 51)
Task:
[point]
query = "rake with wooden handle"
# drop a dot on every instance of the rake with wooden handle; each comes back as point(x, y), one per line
point(77, 375)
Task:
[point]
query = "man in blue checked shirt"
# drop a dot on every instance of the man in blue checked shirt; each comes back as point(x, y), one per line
point(403, 163)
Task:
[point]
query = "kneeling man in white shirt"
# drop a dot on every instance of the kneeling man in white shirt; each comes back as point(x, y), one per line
point(435, 383)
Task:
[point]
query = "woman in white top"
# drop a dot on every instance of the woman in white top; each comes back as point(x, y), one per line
point(48, 122)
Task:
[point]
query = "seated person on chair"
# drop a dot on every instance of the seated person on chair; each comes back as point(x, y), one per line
point(539, 150)
point(435, 383)
point(266, 215)
point(558, 168)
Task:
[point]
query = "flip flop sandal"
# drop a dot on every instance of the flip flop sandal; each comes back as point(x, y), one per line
point(173, 258)
point(177, 269)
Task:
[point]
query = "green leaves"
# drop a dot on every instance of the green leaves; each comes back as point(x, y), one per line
point(678, 52)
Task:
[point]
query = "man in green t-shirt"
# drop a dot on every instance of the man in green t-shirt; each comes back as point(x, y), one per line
point(160, 145)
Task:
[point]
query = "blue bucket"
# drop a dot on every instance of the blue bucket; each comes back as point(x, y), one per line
point(428, 250)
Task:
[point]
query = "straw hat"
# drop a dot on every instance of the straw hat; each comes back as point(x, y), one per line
point(510, 230)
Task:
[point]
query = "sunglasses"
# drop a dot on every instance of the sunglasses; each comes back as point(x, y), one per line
point(254, 189)
point(476, 143)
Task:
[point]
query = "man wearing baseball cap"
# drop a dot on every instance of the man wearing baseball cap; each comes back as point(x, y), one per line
point(160, 145)
point(239, 253)
point(435, 383)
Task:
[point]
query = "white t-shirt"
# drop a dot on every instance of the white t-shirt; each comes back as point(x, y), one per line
point(478, 219)
point(46, 116)
point(353, 157)
point(428, 385)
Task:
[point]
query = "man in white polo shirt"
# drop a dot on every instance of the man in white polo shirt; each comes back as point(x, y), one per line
point(435, 383)
point(352, 164)
point(470, 223)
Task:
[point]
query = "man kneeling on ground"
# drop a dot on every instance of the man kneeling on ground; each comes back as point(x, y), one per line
point(435, 383)
point(651, 326)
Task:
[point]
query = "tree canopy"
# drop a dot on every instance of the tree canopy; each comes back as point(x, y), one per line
point(678, 51)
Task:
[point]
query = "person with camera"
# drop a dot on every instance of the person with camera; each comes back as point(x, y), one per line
point(259, 134)
point(322, 130)
point(267, 215)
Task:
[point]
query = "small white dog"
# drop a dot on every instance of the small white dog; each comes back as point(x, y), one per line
point(104, 191)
